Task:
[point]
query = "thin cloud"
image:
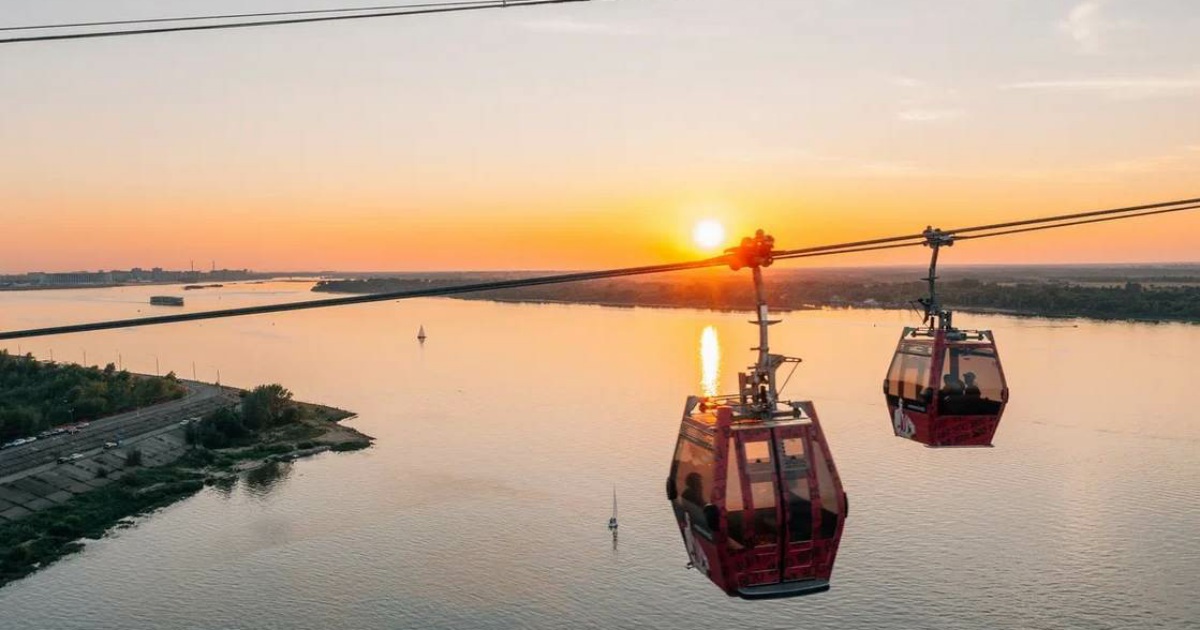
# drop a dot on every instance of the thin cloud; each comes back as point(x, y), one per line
point(907, 82)
point(570, 26)
point(1123, 88)
point(826, 165)
point(1183, 159)
point(929, 115)
point(924, 102)
point(1085, 25)
point(762, 155)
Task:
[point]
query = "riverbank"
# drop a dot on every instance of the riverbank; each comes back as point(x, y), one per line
point(978, 310)
point(124, 486)
point(1148, 301)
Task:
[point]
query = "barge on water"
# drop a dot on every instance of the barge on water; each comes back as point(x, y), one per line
point(166, 300)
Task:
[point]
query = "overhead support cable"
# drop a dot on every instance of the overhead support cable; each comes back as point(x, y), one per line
point(423, 9)
point(1076, 215)
point(895, 242)
point(363, 299)
point(1166, 206)
point(233, 16)
point(1051, 226)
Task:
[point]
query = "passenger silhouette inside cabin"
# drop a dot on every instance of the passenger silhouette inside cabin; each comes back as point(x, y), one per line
point(693, 491)
point(951, 386)
point(951, 393)
point(694, 499)
point(970, 388)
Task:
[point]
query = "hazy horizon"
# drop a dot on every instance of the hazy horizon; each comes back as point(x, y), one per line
point(783, 267)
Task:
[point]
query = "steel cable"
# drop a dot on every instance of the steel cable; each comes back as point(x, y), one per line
point(432, 8)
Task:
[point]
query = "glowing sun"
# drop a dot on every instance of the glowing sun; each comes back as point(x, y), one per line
point(708, 234)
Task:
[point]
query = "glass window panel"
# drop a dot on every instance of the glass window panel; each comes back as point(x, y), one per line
point(734, 506)
point(971, 381)
point(799, 504)
point(830, 507)
point(694, 470)
point(908, 375)
point(758, 453)
point(763, 490)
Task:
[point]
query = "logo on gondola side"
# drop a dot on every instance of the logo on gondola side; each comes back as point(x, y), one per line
point(695, 552)
point(902, 425)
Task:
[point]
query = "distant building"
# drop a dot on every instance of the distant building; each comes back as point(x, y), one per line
point(72, 278)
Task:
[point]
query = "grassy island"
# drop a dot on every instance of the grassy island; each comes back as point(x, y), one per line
point(264, 426)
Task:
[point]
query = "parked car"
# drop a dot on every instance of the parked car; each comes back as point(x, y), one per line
point(70, 458)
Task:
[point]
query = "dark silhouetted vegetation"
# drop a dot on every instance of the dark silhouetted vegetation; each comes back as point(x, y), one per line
point(342, 447)
point(36, 396)
point(1175, 301)
point(264, 408)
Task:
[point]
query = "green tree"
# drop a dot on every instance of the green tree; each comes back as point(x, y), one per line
point(266, 406)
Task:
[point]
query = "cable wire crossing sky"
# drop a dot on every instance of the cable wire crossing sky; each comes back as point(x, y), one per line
point(588, 134)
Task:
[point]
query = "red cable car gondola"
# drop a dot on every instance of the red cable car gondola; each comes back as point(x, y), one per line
point(945, 386)
point(752, 483)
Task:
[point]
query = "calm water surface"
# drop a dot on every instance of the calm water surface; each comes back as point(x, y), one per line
point(484, 501)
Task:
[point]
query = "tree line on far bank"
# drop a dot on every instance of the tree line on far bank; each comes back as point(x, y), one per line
point(36, 395)
point(1129, 300)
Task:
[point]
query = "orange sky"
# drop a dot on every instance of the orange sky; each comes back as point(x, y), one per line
point(597, 134)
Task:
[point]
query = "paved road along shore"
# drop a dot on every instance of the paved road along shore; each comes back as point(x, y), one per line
point(200, 399)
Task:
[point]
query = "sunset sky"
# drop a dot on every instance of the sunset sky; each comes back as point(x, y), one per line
point(595, 134)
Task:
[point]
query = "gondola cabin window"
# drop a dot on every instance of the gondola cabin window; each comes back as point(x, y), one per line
point(734, 502)
point(761, 470)
point(694, 479)
point(908, 376)
point(971, 381)
point(795, 473)
point(830, 510)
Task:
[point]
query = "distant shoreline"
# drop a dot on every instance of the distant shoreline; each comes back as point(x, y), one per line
point(1127, 301)
point(800, 309)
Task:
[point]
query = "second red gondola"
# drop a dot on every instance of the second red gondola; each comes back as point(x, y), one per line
point(945, 387)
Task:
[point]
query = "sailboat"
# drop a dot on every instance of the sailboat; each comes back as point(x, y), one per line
point(421, 334)
point(612, 522)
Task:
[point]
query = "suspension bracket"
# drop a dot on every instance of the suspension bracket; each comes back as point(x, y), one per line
point(935, 237)
point(753, 252)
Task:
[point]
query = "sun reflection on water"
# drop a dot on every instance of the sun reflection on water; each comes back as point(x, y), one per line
point(710, 361)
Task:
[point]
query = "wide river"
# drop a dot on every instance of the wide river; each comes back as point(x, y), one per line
point(484, 501)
